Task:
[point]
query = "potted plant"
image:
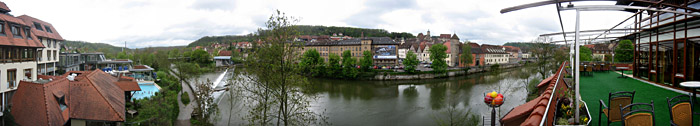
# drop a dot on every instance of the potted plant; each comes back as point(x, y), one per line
point(564, 114)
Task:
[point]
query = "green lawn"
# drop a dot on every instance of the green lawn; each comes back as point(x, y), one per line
point(596, 87)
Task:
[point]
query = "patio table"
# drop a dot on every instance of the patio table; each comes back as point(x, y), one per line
point(692, 85)
point(622, 71)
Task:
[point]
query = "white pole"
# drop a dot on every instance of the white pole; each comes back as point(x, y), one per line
point(578, 60)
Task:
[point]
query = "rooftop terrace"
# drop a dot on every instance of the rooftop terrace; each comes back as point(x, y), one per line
point(597, 87)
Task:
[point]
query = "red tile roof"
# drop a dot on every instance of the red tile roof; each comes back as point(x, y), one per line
point(224, 53)
point(92, 96)
point(10, 40)
point(445, 36)
point(536, 112)
point(29, 21)
point(545, 81)
point(448, 45)
point(4, 6)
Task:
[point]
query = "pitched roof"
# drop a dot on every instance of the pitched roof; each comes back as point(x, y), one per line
point(492, 49)
point(224, 53)
point(449, 46)
point(454, 36)
point(445, 35)
point(29, 20)
point(476, 49)
point(512, 48)
point(4, 7)
point(92, 96)
point(10, 40)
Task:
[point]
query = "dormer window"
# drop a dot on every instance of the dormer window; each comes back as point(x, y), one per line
point(48, 29)
point(61, 101)
point(27, 32)
point(2, 28)
point(38, 26)
point(15, 31)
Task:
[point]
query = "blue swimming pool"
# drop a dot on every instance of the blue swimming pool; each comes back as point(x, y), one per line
point(147, 90)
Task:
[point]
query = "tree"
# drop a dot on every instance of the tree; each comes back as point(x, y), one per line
point(205, 107)
point(309, 61)
point(410, 62)
point(585, 53)
point(201, 57)
point(349, 63)
point(273, 93)
point(437, 56)
point(623, 52)
point(366, 61)
point(333, 67)
point(542, 52)
point(466, 56)
point(122, 55)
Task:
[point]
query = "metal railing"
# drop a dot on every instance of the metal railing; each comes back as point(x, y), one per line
point(551, 96)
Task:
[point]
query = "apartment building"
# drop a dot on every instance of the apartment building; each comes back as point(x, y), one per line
point(384, 49)
point(494, 54)
point(47, 57)
point(18, 59)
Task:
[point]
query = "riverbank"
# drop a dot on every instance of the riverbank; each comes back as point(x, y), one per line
point(450, 73)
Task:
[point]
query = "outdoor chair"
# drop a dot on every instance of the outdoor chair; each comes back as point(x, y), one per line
point(589, 70)
point(638, 114)
point(615, 100)
point(596, 67)
point(607, 67)
point(680, 110)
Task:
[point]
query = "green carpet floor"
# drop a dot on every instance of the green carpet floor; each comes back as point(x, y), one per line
point(596, 87)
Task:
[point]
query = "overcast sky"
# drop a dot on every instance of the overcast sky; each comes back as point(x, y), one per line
point(144, 23)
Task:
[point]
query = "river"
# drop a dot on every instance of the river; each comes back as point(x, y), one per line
point(406, 102)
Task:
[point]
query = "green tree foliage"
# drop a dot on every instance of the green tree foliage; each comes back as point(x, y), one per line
point(585, 54)
point(273, 93)
point(466, 56)
point(410, 62)
point(161, 108)
point(350, 31)
point(623, 52)
point(201, 57)
point(122, 55)
point(366, 61)
point(437, 56)
point(333, 68)
point(208, 40)
point(311, 63)
point(349, 65)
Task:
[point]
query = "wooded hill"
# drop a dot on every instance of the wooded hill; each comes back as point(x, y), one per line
point(305, 30)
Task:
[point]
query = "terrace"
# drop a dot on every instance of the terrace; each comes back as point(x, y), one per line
point(596, 87)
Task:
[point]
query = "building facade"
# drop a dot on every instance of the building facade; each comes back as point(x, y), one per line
point(494, 54)
point(69, 62)
point(47, 57)
point(18, 54)
point(384, 49)
point(667, 46)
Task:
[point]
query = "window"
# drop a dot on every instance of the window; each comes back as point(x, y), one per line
point(38, 26)
point(48, 29)
point(39, 57)
point(2, 28)
point(54, 44)
point(27, 33)
point(28, 74)
point(11, 78)
point(61, 99)
point(55, 55)
point(15, 31)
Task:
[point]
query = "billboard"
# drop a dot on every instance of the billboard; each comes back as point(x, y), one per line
point(384, 52)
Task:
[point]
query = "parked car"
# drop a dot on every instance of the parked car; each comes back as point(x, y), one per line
point(396, 67)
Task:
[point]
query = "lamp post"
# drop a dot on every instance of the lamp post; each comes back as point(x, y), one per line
point(493, 100)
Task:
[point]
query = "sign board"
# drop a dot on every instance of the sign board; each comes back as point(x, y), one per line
point(384, 52)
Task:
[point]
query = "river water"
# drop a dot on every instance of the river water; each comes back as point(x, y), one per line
point(404, 102)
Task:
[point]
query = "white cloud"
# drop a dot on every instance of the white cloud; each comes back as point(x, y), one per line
point(143, 23)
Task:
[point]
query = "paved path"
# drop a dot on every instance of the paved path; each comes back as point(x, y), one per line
point(183, 118)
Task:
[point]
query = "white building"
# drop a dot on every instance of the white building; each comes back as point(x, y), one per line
point(47, 57)
point(494, 54)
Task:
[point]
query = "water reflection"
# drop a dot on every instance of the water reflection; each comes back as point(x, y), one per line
point(414, 102)
point(403, 102)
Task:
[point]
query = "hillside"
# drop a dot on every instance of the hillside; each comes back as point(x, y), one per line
point(306, 30)
point(81, 46)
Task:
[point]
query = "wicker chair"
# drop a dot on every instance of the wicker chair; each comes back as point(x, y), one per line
point(617, 99)
point(680, 110)
point(589, 69)
point(638, 114)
